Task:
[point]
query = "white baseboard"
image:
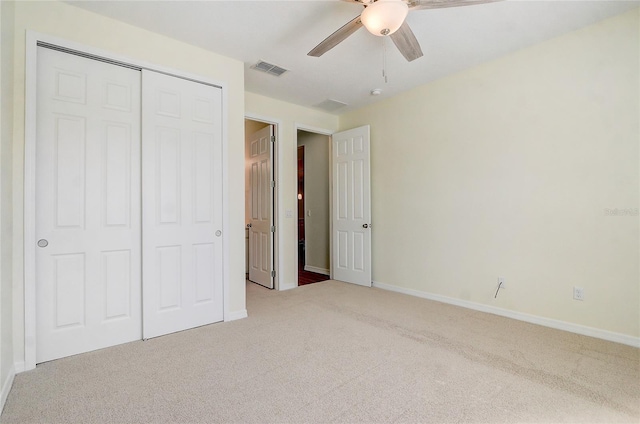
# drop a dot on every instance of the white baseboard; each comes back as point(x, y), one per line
point(317, 270)
point(520, 316)
point(6, 387)
point(19, 367)
point(234, 315)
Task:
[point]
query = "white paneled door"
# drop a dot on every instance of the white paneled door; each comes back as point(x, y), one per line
point(128, 204)
point(261, 207)
point(87, 205)
point(181, 203)
point(351, 207)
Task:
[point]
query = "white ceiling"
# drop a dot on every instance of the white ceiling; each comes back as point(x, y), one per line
point(283, 32)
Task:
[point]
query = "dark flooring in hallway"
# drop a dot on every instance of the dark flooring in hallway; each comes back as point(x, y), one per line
point(306, 277)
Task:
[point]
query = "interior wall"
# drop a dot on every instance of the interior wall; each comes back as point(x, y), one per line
point(316, 200)
point(525, 168)
point(6, 213)
point(77, 25)
point(289, 117)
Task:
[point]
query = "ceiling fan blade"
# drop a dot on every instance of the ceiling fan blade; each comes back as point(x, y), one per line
point(406, 42)
point(438, 4)
point(336, 38)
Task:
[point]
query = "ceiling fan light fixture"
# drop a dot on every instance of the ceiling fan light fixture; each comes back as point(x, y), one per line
point(384, 17)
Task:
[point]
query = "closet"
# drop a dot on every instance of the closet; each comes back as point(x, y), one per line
point(128, 204)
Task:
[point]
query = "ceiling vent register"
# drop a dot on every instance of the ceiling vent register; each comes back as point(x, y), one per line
point(269, 68)
point(330, 105)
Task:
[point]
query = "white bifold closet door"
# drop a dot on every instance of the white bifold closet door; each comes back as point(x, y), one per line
point(87, 205)
point(181, 203)
point(128, 204)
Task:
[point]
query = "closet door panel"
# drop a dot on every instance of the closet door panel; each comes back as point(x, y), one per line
point(182, 204)
point(88, 285)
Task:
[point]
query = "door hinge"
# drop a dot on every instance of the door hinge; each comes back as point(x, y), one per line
point(273, 229)
point(273, 138)
point(273, 274)
point(273, 184)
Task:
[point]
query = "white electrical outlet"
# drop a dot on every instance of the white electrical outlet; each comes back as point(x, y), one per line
point(578, 293)
point(501, 283)
point(289, 213)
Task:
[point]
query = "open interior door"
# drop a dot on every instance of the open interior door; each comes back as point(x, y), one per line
point(261, 229)
point(351, 216)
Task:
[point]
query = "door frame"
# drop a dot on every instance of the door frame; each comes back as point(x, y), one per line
point(278, 220)
point(29, 190)
point(328, 133)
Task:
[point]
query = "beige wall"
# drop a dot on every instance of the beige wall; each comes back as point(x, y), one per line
point(316, 198)
point(6, 221)
point(251, 126)
point(508, 169)
point(74, 24)
point(287, 116)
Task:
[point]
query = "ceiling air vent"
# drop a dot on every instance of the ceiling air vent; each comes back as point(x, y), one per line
point(330, 105)
point(269, 68)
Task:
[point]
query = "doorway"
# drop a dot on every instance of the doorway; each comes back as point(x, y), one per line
point(314, 211)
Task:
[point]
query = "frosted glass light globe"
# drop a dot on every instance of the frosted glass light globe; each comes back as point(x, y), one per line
point(384, 17)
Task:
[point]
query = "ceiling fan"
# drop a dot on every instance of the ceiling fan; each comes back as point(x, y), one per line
point(387, 18)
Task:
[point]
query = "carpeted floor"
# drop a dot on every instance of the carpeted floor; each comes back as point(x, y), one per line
point(334, 352)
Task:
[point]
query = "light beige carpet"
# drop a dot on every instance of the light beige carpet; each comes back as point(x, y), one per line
point(334, 352)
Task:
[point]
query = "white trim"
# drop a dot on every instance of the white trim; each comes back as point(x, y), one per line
point(289, 286)
point(309, 128)
point(105, 54)
point(278, 218)
point(232, 316)
point(316, 270)
point(19, 367)
point(6, 387)
point(31, 50)
point(226, 229)
point(520, 316)
point(29, 244)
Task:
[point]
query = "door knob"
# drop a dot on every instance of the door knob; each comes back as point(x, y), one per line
point(43, 243)
point(365, 225)
point(218, 233)
point(249, 225)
